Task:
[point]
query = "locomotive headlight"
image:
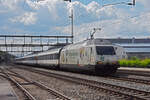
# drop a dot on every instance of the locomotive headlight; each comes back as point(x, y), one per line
point(115, 62)
point(99, 62)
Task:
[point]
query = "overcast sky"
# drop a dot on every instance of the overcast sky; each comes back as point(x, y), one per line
point(51, 17)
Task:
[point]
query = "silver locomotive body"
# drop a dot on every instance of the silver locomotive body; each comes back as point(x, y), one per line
point(95, 55)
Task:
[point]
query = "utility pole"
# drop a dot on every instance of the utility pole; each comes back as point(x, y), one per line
point(72, 25)
point(71, 22)
point(134, 2)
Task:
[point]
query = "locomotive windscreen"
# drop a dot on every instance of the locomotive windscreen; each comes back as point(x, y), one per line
point(105, 50)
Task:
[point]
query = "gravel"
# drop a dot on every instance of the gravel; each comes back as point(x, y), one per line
point(19, 93)
point(132, 85)
point(76, 92)
point(79, 92)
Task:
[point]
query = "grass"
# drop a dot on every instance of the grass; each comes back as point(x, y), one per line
point(135, 62)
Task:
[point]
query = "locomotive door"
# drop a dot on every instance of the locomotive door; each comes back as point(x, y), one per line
point(88, 56)
point(91, 55)
point(36, 60)
point(82, 59)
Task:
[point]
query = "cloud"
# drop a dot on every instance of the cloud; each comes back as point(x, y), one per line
point(43, 16)
point(51, 17)
point(27, 18)
point(138, 26)
point(145, 3)
point(9, 4)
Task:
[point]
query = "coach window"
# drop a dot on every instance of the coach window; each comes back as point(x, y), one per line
point(50, 56)
point(46, 57)
point(57, 56)
point(54, 56)
point(41, 57)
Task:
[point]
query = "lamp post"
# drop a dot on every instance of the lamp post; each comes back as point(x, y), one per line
point(96, 29)
point(130, 3)
point(71, 22)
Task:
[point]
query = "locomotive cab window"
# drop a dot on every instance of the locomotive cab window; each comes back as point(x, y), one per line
point(105, 50)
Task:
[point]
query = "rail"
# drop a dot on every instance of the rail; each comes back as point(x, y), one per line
point(27, 93)
point(115, 90)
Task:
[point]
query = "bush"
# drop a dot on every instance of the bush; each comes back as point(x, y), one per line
point(134, 58)
point(145, 62)
point(123, 62)
point(135, 62)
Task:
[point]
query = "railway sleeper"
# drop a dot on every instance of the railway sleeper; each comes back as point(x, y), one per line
point(27, 83)
point(56, 93)
point(107, 90)
point(90, 84)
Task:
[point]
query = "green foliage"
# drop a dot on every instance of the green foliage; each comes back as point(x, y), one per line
point(134, 58)
point(135, 62)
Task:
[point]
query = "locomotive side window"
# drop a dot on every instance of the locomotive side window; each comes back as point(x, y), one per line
point(105, 50)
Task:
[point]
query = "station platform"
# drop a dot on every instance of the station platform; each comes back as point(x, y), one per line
point(134, 69)
point(6, 91)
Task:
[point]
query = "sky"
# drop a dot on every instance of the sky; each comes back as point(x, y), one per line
point(51, 17)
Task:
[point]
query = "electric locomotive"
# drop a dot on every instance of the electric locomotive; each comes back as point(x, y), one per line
point(96, 55)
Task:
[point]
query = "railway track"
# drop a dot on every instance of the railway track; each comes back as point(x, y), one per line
point(130, 72)
point(26, 93)
point(113, 90)
point(141, 81)
point(22, 83)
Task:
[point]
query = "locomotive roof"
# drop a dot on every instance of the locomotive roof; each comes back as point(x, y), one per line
point(98, 42)
point(88, 43)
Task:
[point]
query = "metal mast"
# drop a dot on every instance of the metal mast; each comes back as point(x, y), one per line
point(71, 22)
point(71, 25)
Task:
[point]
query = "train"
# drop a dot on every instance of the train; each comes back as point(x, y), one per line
point(95, 55)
